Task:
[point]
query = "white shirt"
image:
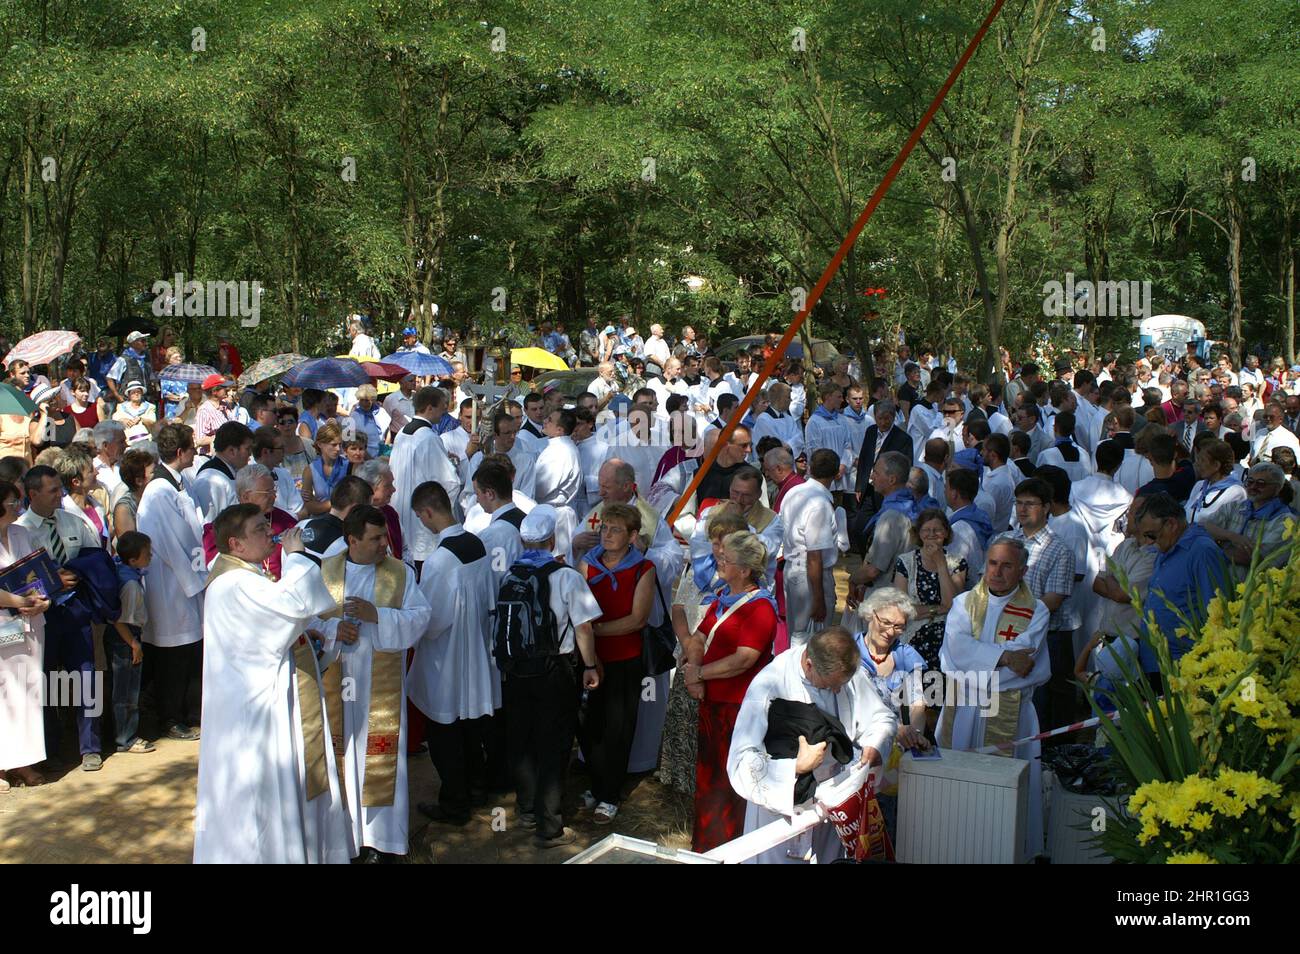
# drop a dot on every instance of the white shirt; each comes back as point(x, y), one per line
point(363, 346)
point(656, 350)
point(74, 530)
point(1001, 486)
point(808, 513)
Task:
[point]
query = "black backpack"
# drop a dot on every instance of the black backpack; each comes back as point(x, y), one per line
point(525, 632)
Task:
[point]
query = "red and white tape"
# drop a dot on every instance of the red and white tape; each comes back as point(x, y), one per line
point(1063, 730)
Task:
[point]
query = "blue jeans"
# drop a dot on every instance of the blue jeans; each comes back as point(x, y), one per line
point(126, 686)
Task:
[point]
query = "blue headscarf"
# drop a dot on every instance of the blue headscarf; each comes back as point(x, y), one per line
point(592, 559)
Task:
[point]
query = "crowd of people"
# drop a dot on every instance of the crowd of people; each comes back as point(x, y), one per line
point(317, 585)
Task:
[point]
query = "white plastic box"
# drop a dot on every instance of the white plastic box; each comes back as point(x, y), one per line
point(962, 808)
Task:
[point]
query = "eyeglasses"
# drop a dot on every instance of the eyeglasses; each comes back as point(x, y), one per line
point(888, 625)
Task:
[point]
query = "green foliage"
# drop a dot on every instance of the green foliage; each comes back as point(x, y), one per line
point(589, 156)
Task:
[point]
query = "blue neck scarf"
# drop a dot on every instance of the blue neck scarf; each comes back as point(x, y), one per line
point(535, 558)
point(1271, 509)
point(856, 417)
point(900, 500)
point(978, 520)
point(592, 559)
point(705, 573)
point(725, 599)
point(928, 503)
point(127, 573)
point(1219, 485)
point(823, 413)
point(1062, 441)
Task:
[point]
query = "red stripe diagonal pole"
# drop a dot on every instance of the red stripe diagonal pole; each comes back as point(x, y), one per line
point(834, 266)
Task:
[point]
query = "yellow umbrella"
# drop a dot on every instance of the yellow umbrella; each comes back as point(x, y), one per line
point(537, 358)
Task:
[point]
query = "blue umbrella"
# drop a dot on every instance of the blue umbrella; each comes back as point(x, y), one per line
point(417, 362)
point(188, 373)
point(325, 373)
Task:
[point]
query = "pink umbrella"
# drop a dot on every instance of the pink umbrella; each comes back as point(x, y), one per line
point(43, 347)
point(381, 371)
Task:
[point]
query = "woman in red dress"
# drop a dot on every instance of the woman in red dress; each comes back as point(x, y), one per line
point(623, 582)
point(733, 642)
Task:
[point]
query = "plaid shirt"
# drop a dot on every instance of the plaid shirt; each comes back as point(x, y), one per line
point(1051, 570)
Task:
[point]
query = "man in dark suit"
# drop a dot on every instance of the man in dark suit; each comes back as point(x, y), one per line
point(879, 438)
point(1191, 424)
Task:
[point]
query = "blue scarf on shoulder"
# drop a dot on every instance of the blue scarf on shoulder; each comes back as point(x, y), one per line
point(592, 559)
point(1270, 510)
point(823, 413)
point(978, 520)
point(725, 599)
point(856, 417)
point(535, 558)
point(129, 574)
point(900, 500)
point(705, 573)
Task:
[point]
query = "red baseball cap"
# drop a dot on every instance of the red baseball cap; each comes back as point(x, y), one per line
point(216, 381)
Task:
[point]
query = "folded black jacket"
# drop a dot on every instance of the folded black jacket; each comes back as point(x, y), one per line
point(787, 720)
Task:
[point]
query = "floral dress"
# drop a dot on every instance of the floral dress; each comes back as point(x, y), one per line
point(923, 586)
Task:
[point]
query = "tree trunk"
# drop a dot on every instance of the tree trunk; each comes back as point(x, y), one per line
point(29, 292)
point(1236, 218)
point(1286, 280)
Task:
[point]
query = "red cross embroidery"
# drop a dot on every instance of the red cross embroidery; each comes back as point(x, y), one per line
point(1008, 633)
point(380, 744)
point(593, 521)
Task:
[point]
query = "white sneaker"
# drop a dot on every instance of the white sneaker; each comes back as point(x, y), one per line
point(588, 800)
point(605, 813)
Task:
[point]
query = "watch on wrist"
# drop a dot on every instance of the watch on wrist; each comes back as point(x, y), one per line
point(585, 668)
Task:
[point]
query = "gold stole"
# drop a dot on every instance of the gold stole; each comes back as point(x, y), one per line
point(386, 701)
point(649, 522)
point(1014, 619)
point(760, 517)
point(307, 678)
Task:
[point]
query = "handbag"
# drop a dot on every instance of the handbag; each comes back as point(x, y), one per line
point(659, 642)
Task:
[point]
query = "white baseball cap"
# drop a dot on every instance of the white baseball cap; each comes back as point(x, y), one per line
point(538, 524)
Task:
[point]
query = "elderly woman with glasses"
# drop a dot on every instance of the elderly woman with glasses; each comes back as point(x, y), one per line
point(894, 668)
point(725, 652)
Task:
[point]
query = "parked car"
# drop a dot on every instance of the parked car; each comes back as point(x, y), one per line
point(823, 351)
point(571, 383)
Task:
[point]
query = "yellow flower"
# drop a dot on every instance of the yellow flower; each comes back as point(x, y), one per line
point(1191, 858)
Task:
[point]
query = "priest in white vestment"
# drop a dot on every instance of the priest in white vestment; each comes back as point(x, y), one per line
point(376, 599)
point(1005, 660)
point(827, 673)
point(268, 788)
point(418, 455)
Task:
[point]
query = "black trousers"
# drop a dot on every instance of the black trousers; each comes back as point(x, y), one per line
point(541, 717)
point(607, 725)
point(456, 750)
point(178, 676)
point(1056, 700)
